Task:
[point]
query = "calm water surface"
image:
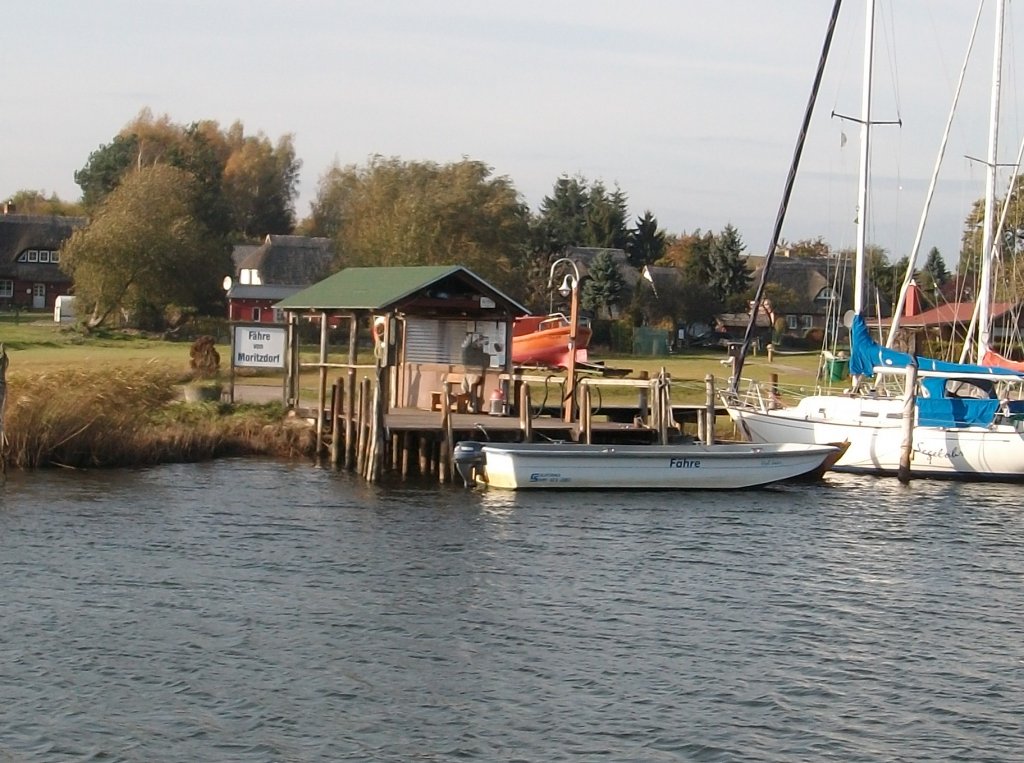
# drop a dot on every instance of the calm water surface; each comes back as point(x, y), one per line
point(249, 610)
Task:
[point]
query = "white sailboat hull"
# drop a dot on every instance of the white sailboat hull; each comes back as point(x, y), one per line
point(873, 429)
point(690, 466)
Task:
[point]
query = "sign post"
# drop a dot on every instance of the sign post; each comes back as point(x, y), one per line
point(257, 346)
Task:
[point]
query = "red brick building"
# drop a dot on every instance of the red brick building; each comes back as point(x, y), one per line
point(272, 271)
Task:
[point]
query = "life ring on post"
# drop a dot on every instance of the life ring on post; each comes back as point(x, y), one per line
point(380, 325)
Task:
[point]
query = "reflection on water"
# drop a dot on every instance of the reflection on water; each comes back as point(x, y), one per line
point(253, 610)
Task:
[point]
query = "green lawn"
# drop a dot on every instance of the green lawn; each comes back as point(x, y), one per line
point(34, 343)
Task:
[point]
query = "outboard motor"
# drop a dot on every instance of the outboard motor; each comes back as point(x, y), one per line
point(469, 460)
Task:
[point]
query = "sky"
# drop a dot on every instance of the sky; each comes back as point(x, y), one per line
point(691, 108)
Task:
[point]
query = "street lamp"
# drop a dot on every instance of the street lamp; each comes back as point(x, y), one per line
point(570, 287)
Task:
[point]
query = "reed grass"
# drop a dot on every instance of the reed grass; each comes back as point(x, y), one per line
point(132, 416)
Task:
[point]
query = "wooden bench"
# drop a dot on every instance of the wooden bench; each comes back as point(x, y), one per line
point(460, 400)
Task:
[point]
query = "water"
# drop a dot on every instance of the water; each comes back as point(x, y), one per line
point(249, 610)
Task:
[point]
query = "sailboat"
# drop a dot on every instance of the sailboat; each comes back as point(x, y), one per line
point(965, 425)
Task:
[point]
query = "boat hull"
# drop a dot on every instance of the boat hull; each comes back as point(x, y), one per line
point(874, 431)
point(544, 341)
point(648, 467)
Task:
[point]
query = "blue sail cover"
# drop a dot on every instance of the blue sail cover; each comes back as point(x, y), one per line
point(937, 408)
point(866, 354)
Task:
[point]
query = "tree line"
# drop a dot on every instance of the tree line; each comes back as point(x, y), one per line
point(165, 202)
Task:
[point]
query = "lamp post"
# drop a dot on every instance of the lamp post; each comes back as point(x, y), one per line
point(570, 287)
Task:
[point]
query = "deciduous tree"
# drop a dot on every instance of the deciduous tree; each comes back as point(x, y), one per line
point(144, 250)
point(32, 202)
point(246, 185)
point(105, 167)
point(394, 212)
point(261, 182)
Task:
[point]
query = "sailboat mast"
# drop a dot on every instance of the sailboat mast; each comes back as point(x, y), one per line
point(865, 153)
point(988, 250)
point(786, 194)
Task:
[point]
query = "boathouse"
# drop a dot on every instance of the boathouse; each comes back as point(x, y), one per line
point(432, 348)
point(429, 325)
point(440, 338)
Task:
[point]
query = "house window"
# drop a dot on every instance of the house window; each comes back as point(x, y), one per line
point(278, 315)
point(33, 255)
point(44, 256)
point(55, 256)
point(250, 277)
point(808, 321)
point(825, 295)
point(256, 312)
point(6, 287)
point(791, 322)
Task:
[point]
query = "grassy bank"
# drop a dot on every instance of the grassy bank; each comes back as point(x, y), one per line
point(112, 399)
point(130, 416)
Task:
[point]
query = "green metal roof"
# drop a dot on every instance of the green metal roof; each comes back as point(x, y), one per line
point(381, 288)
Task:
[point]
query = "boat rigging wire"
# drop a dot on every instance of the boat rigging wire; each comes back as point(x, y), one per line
point(784, 204)
point(897, 310)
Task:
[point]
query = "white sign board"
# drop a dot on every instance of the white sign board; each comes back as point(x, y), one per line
point(259, 347)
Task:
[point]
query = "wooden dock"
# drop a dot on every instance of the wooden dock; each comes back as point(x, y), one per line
point(412, 442)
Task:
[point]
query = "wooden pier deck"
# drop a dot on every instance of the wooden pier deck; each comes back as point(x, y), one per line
point(617, 420)
point(357, 431)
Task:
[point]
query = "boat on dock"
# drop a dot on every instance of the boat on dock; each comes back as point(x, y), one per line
point(543, 340)
point(684, 466)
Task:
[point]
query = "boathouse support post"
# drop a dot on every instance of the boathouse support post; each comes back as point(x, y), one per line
point(586, 415)
point(291, 376)
point(709, 411)
point(3, 402)
point(423, 446)
point(371, 434)
point(337, 437)
point(375, 462)
point(350, 392)
point(643, 404)
point(664, 407)
point(321, 400)
point(525, 414)
point(361, 427)
point(406, 447)
point(444, 457)
point(909, 413)
point(382, 433)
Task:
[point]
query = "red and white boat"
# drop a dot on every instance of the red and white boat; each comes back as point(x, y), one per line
point(543, 340)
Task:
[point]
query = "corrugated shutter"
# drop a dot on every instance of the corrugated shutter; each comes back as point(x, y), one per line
point(432, 341)
point(426, 342)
